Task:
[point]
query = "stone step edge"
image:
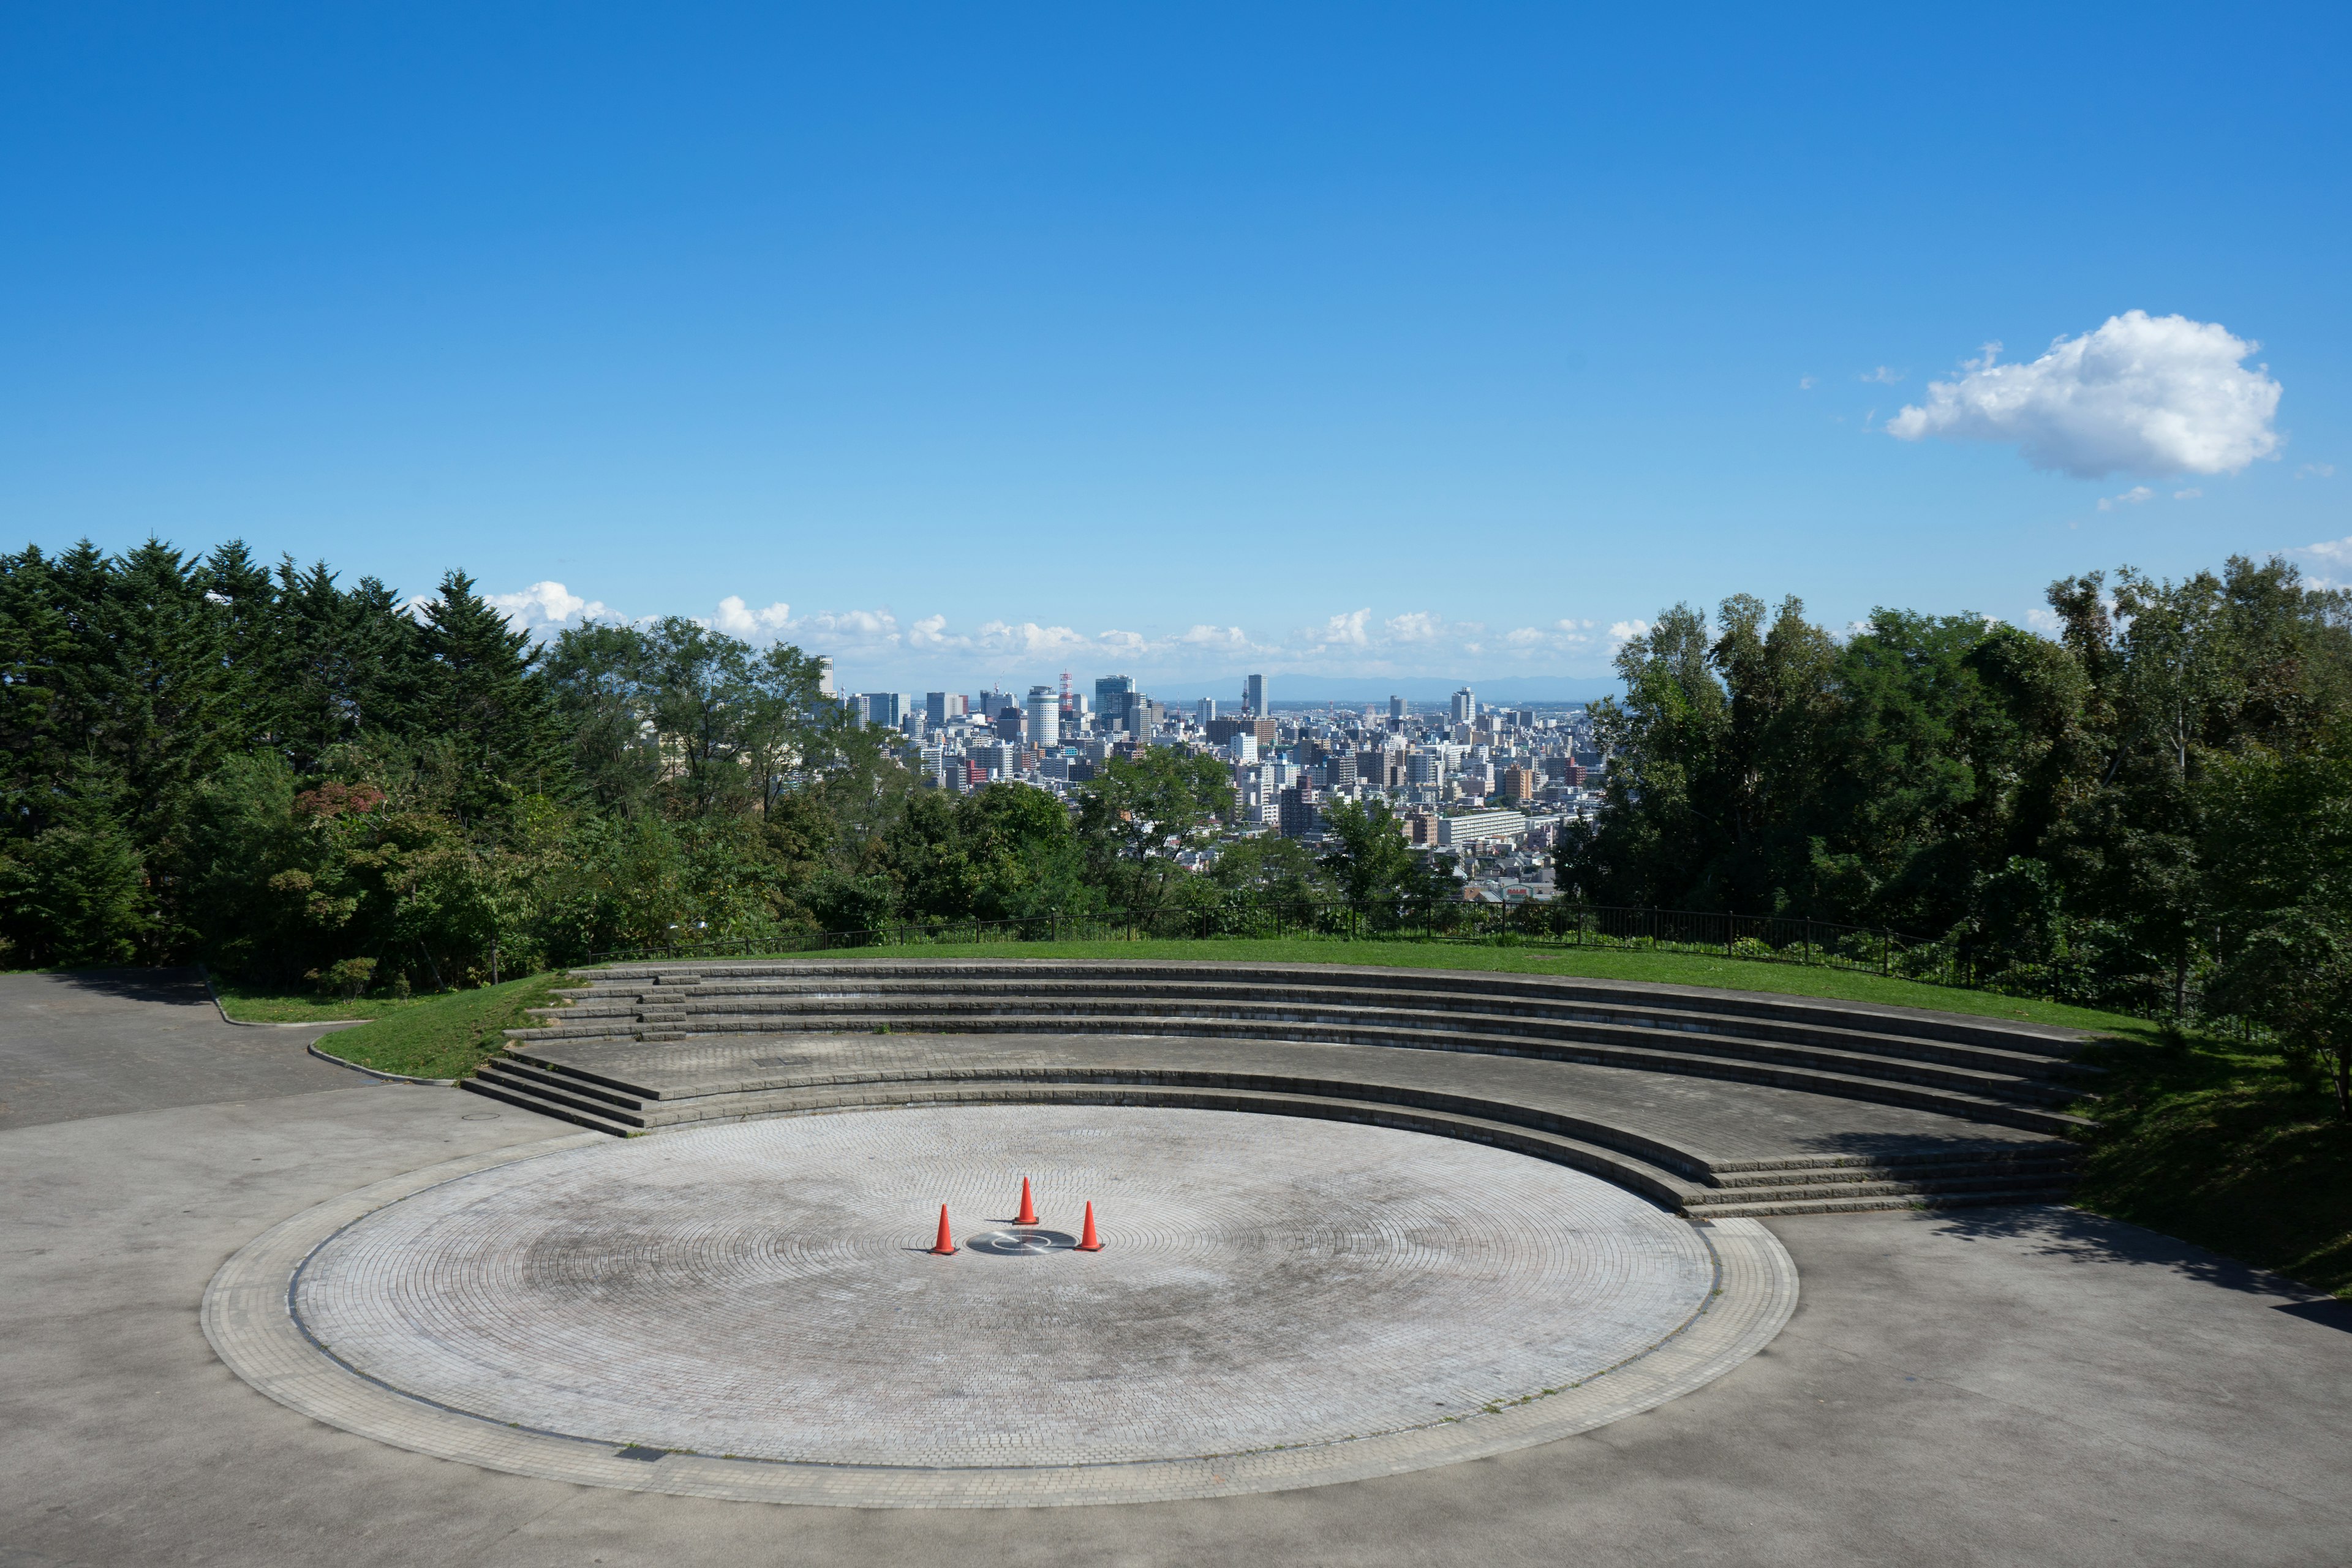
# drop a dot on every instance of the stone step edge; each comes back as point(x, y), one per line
point(1978, 1156)
point(625, 1097)
point(1814, 1058)
point(545, 1106)
point(1637, 1176)
point(1470, 1017)
point(1926, 1022)
point(1949, 1179)
point(1863, 1205)
point(1884, 1090)
point(598, 1091)
point(1945, 1175)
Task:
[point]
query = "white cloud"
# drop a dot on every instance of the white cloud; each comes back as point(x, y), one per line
point(2187, 495)
point(2315, 471)
point(738, 620)
point(2330, 562)
point(1348, 630)
point(1805, 384)
point(874, 648)
point(547, 605)
point(1626, 631)
point(2132, 497)
point(1883, 376)
point(2141, 393)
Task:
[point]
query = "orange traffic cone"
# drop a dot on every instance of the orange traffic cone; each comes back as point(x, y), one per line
point(946, 1243)
point(1028, 1215)
point(1090, 1242)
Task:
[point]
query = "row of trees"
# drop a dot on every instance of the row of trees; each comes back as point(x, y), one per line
point(2152, 808)
point(292, 779)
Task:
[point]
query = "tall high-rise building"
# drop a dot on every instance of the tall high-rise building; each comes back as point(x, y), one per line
point(1044, 717)
point(824, 675)
point(1465, 707)
point(1253, 696)
point(1111, 692)
point(1396, 708)
point(1205, 711)
point(887, 710)
point(938, 707)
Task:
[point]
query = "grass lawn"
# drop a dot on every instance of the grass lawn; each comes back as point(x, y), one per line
point(301, 1006)
point(443, 1037)
point(2212, 1143)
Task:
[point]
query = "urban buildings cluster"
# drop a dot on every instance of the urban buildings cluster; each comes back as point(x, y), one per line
point(1488, 785)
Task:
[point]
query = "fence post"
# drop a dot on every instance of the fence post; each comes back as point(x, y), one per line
point(1886, 952)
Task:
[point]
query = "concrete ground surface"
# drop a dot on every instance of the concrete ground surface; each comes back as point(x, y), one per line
point(2028, 1386)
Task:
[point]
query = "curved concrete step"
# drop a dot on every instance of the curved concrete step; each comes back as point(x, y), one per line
point(2029, 1080)
point(2001, 1034)
point(1661, 1186)
point(2016, 1104)
point(1277, 1004)
point(1678, 1178)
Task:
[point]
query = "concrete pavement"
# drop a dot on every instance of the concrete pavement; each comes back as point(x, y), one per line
point(2020, 1386)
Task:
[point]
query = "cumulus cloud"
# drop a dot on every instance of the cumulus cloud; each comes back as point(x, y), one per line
point(2315, 471)
point(547, 605)
point(1626, 631)
point(2187, 495)
point(1883, 376)
point(874, 646)
point(2134, 496)
point(2141, 393)
point(737, 620)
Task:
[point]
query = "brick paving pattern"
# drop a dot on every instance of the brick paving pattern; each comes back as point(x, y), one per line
point(761, 1289)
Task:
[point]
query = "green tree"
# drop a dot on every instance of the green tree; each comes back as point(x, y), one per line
point(1366, 856)
point(484, 695)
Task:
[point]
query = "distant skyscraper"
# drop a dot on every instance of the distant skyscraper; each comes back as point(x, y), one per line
point(938, 707)
point(1253, 696)
point(1044, 716)
point(886, 708)
point(1111, 692)
point(1465, 707)
point(1205, 711)
point(824, 678)
point(1396, 707)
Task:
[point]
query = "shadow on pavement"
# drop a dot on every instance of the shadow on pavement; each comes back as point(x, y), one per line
point(2330, 1313)
point(185, 983)
point(2095, 1238)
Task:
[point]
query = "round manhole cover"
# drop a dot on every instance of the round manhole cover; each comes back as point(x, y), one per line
point(1022, 1243)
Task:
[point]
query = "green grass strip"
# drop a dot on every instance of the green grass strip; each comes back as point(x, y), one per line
point(303, 1006)
point(443, 1037)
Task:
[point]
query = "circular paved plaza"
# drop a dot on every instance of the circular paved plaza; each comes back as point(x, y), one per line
point(1278, 1302)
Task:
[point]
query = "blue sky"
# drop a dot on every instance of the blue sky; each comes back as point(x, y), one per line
point(1362, 344)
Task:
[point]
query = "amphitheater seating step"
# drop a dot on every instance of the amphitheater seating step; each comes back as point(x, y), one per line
point(621, 1057)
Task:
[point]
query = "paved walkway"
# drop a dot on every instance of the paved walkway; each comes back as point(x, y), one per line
point(2025, 1386)
point(99, 1042)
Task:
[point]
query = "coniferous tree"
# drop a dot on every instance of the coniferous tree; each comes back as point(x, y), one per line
point(482, 694)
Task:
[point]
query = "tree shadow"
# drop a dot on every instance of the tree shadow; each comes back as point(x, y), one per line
point(2053, 1230)
point(185, 985)
point(1919, 1146)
